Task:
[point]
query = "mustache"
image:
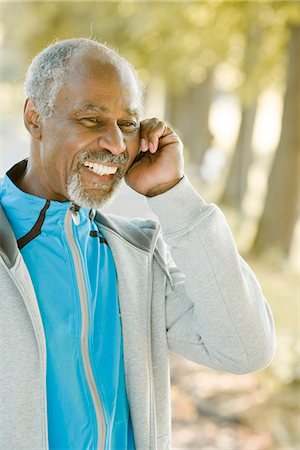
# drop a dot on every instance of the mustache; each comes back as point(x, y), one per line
point(103, 157)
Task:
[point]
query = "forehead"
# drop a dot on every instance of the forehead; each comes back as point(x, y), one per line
point(103, 85)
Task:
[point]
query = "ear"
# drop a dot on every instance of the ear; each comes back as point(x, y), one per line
point(32, 119)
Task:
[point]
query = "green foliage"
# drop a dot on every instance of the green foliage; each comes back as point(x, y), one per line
point(177, 41)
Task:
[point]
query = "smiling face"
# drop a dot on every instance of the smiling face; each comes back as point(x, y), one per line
point(91, 138)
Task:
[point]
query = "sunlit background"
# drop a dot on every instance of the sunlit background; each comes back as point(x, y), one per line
point(226, 76)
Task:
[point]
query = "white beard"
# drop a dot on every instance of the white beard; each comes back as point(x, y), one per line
point(103, 193)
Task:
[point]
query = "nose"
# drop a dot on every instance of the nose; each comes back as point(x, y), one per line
point(112, 139)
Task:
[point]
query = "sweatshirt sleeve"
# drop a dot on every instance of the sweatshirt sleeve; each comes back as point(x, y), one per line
point(216, 313)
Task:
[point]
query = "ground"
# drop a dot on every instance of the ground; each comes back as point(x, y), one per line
point(220, 411)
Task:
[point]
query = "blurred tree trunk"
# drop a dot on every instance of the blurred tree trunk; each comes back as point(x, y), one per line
point(281, 209)
point(189, 114)
point(236, 184)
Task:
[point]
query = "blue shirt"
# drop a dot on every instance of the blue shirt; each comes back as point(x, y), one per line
point(40, 228)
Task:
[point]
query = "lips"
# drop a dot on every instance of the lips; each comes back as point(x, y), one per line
point(100, 169)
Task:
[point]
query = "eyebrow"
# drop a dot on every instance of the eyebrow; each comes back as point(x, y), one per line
point(100, 109)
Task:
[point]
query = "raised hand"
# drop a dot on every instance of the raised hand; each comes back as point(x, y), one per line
point(159, 165)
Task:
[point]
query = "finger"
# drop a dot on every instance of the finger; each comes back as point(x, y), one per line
point(154, 135)
point(143, 145)
point(146, 124)
point(152, 132)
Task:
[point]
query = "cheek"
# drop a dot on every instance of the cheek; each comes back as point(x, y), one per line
point(133, 148)
point(59, 162)
point(62, 150)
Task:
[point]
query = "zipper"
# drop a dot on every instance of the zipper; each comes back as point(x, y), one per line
point(72, 215)
point(152, 425)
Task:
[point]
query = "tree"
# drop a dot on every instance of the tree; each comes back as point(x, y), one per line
point(265, 35)
point(236, 183)
point(188, 112)
point(283, 196)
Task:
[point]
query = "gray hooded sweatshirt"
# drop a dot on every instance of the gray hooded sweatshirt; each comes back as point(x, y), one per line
point(194, 296)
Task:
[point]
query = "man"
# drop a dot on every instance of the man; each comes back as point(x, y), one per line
point(91, 304)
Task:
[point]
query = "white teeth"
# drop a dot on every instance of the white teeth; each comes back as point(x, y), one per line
point(100, 169)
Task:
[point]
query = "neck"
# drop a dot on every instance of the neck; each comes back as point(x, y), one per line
point(31, 179)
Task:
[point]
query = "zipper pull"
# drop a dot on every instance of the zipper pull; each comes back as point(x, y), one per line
point(74, 211)
point(92, 214)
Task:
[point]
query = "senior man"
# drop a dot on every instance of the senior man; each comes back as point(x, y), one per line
point(91, 303)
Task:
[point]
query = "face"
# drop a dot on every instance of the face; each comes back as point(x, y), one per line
point(92, 137)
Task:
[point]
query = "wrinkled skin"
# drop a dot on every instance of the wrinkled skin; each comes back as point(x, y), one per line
point(96, 119)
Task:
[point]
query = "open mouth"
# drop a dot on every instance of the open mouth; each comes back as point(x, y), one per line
point(100, 169)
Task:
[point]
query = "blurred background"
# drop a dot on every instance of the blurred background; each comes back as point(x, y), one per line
point(226, 76)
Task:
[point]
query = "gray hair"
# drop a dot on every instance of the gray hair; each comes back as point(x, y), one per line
point(49, 68)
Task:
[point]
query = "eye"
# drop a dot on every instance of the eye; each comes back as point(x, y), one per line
point(128, 125)
point(89, 121)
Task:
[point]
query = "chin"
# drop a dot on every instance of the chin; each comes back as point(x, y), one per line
point(91, 198)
